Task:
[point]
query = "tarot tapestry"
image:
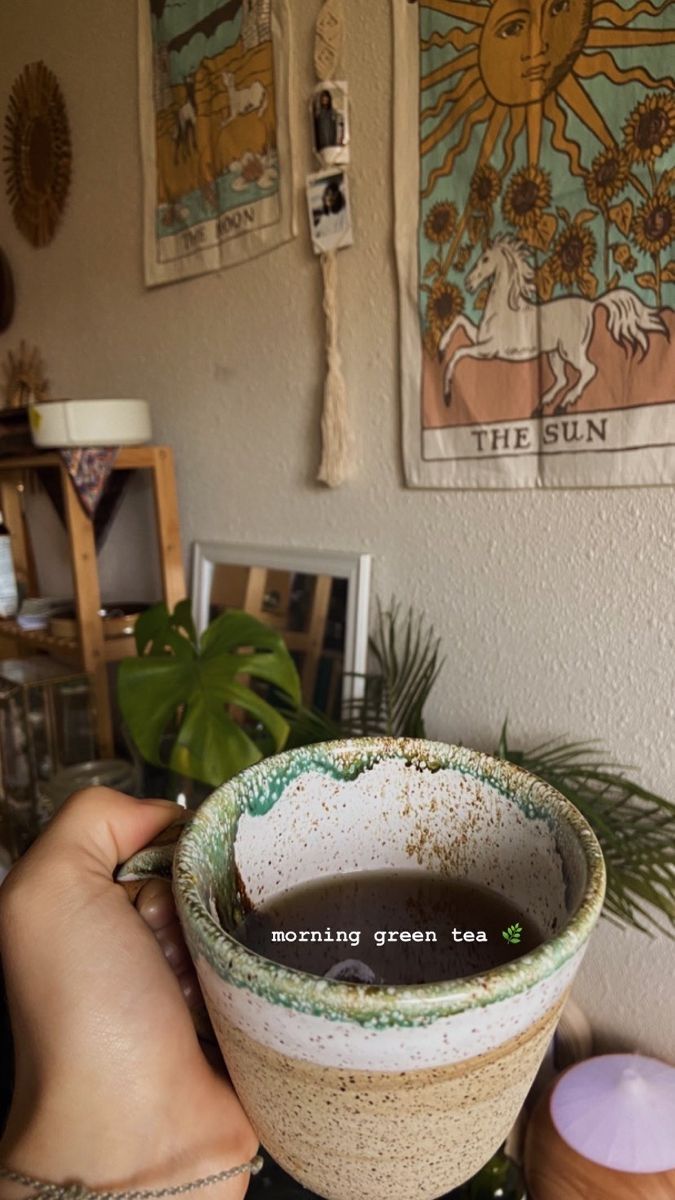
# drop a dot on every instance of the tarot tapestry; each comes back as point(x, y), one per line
point(214, 109)
point(535, 237)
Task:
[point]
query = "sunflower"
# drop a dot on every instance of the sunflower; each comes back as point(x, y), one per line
point(441, 221)
point(650, 128)
point(526, 197)
point(607, 176)
point(485, 187)
point(573, 255)
point(444, 304)
point(653, 226)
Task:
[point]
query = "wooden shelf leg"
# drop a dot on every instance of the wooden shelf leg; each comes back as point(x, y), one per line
point(168, 527)
point(11, 501)
point(88, 602)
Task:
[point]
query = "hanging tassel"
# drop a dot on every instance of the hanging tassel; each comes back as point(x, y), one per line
point(329, 39)
point(335, 435)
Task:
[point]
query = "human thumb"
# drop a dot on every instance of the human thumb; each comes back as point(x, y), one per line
point(97, 829)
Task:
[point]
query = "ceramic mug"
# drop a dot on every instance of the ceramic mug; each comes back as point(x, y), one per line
point(370, 1091)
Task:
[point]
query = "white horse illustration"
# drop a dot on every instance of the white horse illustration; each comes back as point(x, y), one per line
point(516, 328)
point(246, 100)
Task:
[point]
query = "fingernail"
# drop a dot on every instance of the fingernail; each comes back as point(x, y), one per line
point(157, 910)
point(190, 989)
point(174, 952)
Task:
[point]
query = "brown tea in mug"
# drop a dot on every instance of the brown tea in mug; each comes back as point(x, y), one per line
point(389, 927)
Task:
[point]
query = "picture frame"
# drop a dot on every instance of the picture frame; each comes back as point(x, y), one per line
point(330, 123)
point(330, 212)
point(353, 568)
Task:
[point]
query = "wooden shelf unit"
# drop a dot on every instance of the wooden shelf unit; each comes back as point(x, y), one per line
point(91, 651)
point(114, 649)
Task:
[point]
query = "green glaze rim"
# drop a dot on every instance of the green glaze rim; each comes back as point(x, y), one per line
point(257, 789)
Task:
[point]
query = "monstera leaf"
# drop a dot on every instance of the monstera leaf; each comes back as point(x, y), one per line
point(186, 686)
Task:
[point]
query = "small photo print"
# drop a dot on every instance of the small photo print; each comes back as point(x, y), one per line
point(330, 122)
point(330, 214)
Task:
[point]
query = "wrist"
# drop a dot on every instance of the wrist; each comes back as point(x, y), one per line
point(109, 1156)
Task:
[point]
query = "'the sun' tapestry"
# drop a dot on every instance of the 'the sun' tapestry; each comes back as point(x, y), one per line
point(535, 234)
point(214, 108)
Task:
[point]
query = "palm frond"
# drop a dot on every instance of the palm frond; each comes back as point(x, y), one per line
point(407, 653)
point(635, 827)
point(388, 701)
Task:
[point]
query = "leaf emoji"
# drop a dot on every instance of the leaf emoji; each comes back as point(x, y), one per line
point(512, 934)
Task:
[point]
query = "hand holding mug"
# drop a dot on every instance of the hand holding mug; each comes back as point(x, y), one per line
point(111, 1085)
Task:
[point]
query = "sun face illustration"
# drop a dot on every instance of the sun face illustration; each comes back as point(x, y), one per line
point(521, 63)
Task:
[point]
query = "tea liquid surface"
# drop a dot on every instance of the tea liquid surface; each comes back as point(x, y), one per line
point(350, 926)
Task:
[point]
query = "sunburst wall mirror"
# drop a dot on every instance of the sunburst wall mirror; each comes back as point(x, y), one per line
point(37, 153)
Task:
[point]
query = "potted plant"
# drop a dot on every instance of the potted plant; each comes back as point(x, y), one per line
point(180, 696)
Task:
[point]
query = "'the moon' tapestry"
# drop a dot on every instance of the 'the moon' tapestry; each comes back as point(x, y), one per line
point(535, 235)
point(214, 108)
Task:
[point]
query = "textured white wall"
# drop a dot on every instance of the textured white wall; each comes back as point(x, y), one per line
point(555, 607)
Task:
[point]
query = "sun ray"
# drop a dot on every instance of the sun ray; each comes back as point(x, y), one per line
point(603, 38)
point(494, 128)
point(608, 10)
point(474, 94)
point(514, 131)
point(581, 104)
point(472, 14)
point(559, 140)
point(492, 132)
point(450, 96)
point(457, 38)
point(480, 115)
point(534, 118)
point(589, 65)
point(475, 118)
point(469, 58)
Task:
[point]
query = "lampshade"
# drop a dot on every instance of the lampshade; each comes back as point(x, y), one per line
point(618, 1110)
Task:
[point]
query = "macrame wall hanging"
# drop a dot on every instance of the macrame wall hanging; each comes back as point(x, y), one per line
point(331, 226)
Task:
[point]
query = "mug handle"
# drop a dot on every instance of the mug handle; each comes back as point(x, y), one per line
point(155, 861)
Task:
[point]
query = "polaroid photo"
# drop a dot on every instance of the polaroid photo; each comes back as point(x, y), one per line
point(330, 122)
point(330, 214)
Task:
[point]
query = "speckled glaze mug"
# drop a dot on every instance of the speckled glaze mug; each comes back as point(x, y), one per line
point(373, 1092)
